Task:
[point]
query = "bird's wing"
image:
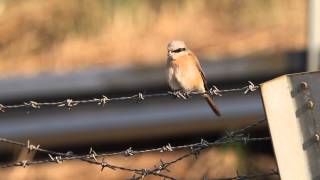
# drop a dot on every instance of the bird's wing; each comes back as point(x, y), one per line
point(197, 63)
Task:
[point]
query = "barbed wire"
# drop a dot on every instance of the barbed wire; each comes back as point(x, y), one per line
point(59, 157)
point(129, 151)
point(236, 136)
point(70, 103)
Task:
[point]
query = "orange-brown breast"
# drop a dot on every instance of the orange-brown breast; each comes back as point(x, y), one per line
point(187, 73)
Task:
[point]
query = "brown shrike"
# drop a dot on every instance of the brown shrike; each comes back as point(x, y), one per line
point(185, 73)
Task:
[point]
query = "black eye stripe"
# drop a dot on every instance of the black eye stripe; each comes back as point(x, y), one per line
point(179, 50)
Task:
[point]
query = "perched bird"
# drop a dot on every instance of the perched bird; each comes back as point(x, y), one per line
point(185, 73)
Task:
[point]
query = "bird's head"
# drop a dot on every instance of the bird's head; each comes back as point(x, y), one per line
point(176, 48)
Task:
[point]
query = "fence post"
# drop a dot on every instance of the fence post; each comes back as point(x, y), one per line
point(313, 62)
point(292, 107)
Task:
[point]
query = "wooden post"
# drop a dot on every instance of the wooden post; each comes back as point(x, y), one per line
point(313, 35)
point(292, 106)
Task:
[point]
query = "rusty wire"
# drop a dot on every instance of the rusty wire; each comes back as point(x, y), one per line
point(237, 136)
point(70, 103)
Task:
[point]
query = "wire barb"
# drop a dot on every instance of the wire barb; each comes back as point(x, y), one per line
point(215, 91)
point(31, 147)
point(93, 154)
point(103, 100)
point(129, 152)
point(57, 159)
point(24, 163)
point(140, 97)
point(250, 88)
point(166, 148)
point(32, 104)
point(2, 107)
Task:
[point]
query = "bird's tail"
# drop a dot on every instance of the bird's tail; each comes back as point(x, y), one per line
point(212, 104)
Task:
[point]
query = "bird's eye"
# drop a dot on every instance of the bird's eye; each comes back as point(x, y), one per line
point(179, 50)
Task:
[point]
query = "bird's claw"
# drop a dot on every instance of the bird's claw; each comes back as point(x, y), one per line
point(181, 94)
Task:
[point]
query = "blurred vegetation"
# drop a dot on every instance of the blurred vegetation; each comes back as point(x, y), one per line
point(44, 36)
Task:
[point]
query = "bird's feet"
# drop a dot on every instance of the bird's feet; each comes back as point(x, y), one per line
point(181, 94)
